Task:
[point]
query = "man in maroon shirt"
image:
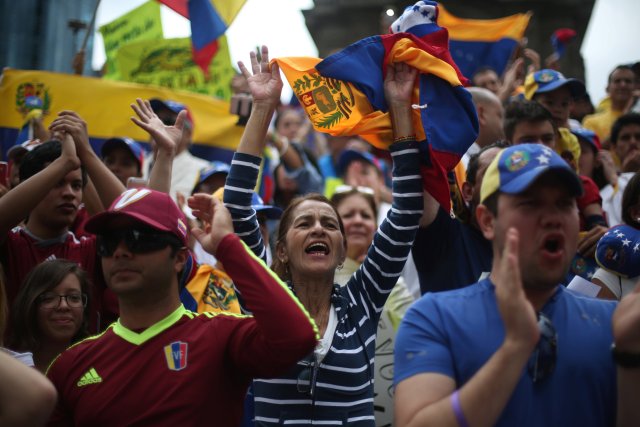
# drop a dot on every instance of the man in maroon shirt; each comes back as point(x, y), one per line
point(48, 198)
point(160, 364)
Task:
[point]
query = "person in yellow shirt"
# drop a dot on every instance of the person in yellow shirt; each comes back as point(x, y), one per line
point(620, 92)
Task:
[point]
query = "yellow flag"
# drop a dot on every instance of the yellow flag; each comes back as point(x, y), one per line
point(142, 23)
point(104, 105)
point(169, 63)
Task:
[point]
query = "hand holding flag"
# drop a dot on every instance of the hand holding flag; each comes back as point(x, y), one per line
point(344, 94)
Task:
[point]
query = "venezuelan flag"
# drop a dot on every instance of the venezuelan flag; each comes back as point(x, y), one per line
point(104, 105)
point(209, 20)
point(475, 43)
point(344, 94)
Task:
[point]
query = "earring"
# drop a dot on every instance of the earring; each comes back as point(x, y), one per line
point(286, 267)
point(340, 266)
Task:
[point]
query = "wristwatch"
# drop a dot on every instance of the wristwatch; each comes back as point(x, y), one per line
point(624, 359)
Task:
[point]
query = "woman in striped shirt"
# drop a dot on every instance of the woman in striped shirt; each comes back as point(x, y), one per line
point(334, 384)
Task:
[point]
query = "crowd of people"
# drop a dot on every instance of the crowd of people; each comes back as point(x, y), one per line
point(155, 288)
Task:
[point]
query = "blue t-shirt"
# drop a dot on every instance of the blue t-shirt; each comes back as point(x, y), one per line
point(449, 254)
point(455, 333)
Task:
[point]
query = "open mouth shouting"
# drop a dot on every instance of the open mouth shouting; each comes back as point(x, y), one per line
point(317, 249)
point(553, 246)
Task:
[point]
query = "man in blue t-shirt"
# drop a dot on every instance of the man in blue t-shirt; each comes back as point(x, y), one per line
point(450, 253)
point(517, 348)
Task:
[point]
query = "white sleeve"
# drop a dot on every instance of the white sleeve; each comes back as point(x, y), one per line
point(613, 282)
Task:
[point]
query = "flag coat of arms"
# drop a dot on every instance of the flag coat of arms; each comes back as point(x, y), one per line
point(344, 94)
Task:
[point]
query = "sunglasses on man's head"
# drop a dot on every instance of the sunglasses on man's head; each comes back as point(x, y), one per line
point(543, 360)
point(138, 241)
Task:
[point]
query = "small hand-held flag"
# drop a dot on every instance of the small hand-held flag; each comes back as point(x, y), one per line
point(560, 39)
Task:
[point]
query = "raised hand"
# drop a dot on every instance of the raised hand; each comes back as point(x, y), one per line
point(264, 83)
point(70, 122)
point(166, 137)
point(221, 226)
point(588, 243)
point(201, 206)
point(69, 150)
point(604, 159)
point(399, 83)
point(518, 315)
point(534, 59)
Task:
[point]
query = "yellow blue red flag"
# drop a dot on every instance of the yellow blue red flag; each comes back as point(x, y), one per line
point(104, 105)
point(344, 95)
point(209, 20)
point(475, 43)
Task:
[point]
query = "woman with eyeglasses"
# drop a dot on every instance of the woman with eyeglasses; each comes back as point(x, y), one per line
point(334, 384)
point(50, 312)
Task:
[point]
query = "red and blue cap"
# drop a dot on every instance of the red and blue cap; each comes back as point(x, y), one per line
point(152, 208)
point(518, 167)
point(549, 80)
point(129, 144)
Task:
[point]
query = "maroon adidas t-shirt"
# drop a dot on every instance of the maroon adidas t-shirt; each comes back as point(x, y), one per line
point(187, 369)
point(175, 377)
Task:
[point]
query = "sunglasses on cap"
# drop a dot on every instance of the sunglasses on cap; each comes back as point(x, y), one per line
point(543, 360)
point(340, 189)
point(139, 241)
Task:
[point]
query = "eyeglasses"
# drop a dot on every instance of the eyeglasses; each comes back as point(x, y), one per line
point(307, 377)
point(50, 300)
point(543, 360)
point(348, 188)
point(138, 241)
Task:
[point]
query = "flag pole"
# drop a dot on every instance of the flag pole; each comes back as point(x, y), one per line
point(78, 58)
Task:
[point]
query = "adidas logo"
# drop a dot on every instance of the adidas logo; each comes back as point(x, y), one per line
point(90, 377)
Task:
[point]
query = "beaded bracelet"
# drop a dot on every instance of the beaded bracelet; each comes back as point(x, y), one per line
point(405, 138)
point(457, 409)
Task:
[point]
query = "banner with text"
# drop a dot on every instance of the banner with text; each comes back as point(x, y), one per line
point(169, 63)
point(142, 23)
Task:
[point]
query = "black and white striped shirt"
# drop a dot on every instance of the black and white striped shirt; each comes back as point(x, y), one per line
point(343, 381)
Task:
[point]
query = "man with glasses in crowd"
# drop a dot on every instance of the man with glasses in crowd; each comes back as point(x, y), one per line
point(160, 364)
point(518, 348)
